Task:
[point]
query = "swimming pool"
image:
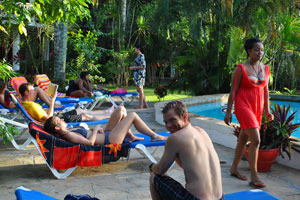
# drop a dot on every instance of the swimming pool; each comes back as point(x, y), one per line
point(214, 110)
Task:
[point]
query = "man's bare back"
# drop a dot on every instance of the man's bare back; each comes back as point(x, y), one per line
point(193, 150)
point(199, 161)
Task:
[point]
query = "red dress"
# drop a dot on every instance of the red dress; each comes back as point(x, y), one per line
point(249, 100)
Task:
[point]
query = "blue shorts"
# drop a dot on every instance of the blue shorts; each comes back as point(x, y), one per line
point(106, 134)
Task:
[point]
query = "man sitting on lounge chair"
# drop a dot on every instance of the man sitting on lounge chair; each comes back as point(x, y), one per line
point(36, 111)
point(192, 149)
point(35, 93)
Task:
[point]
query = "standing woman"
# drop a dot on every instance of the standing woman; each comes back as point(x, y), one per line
point(139, 69)
point(250, 93)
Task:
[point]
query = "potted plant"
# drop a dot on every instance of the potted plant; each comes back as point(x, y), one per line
point(275, 137)
point(160, 92)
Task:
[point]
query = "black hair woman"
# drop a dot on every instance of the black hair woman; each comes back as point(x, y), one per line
point(250, 95)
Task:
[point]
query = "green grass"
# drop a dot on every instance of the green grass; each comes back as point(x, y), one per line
point(151, 97)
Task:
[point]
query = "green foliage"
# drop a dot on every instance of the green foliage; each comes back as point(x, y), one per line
point(85, 47)
point(45, 11)
point(6, 71)
point(292, 91)
point(160, 92)
point(7, 132)
point(277, 133)
point(118, 66)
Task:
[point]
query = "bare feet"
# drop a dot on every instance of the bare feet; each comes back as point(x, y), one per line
point(134, 138)
point(257, 184)
point(158, 138)
point(57, 105)
point(238, 175)
point(110, 110)
point(146, 106)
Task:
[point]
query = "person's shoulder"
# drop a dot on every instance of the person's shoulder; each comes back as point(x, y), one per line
point(199, 128)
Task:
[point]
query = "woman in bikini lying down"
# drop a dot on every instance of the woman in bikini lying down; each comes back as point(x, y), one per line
point(117, 128)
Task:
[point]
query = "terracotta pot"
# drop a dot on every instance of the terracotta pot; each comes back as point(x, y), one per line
point(265, 158)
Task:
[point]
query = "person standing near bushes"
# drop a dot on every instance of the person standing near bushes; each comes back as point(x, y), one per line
point(250, 95)
point(139, 74)
point(81, 87)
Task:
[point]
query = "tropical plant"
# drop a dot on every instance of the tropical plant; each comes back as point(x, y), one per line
point(86, 53)
point(7, 131)
point(276, 133)
point(160, 92)
point(6, 71)
point(291, 91)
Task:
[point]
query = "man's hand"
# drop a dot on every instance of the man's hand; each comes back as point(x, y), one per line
point(131, 68)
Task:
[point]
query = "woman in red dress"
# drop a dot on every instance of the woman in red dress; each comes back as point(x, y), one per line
point(250, 95)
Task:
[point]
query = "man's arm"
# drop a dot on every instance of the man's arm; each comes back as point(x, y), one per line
point(51, 107)
point(168, 157)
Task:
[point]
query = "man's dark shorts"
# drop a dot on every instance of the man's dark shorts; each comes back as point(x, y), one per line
point(169, 189)
point(70, 116)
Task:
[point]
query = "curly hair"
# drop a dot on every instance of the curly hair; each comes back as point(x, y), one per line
point(179, 108)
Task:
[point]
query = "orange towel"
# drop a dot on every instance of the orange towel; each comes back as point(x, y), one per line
point(16, 82)
point(42, 81)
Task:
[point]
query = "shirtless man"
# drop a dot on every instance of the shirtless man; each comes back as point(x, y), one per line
point(36, 111)
point(193, 151)
point(35, 93)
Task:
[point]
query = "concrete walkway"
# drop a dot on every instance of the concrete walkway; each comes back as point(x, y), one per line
point(124, 179)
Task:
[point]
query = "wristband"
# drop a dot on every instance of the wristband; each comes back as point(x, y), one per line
point(150, 166)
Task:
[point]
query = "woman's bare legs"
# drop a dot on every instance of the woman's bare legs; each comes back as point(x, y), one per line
point(119, 132)
point(80, 93)
point(119, 114)
point(239, 150)
point(254, 137)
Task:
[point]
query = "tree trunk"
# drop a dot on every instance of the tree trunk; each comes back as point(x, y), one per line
point(60, 52)
point(124, 21)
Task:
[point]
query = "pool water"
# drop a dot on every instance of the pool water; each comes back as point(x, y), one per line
point(214, 110)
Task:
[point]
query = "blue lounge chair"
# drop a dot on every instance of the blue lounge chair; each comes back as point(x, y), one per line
point(141, 146)
point(250, 195)
point(23, 193)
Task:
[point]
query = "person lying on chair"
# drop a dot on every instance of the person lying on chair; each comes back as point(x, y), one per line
point(36, 111)
point(117, 128)
point(3, 99)
point(193, 151)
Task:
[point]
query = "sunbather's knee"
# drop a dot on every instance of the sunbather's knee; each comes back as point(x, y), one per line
point(79, 111)
point(132, 115)
point(151, 179)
